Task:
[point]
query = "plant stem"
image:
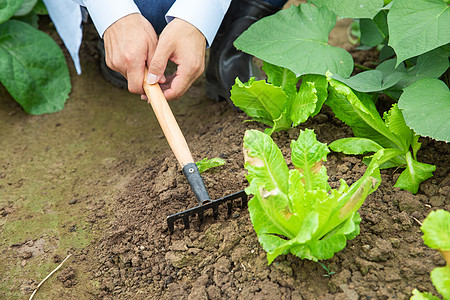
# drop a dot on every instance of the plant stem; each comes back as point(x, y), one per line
point(362, 67)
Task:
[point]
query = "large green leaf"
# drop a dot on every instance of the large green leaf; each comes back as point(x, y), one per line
point(422, 99)
point(8, 8)
point(374, 32)
point(352, 8)
point(297, 39)
point(414, 174)
point(370, 81)
point(436, 230)
point(33, 68)
point(418, 26)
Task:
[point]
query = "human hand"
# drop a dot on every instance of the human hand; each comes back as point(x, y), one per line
point(185, 45)
point(129, 44)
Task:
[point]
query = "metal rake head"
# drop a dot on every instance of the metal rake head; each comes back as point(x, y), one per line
point(200, 210)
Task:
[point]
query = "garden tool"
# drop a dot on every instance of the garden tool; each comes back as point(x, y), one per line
point(180, 148)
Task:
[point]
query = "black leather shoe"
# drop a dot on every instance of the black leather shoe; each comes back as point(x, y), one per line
point(113, 77)
point(225, 61)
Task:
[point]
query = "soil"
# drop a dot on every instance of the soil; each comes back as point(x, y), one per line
point(120, 191)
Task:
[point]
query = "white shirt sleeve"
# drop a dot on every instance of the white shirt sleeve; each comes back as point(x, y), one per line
point(205, 15)
point(105, 12)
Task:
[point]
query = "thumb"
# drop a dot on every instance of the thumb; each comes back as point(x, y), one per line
point(158, 64)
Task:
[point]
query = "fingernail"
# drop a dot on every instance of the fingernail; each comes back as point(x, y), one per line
point(152, 78)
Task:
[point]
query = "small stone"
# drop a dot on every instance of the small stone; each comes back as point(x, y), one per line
point(236, 215)
point(73, 201)
point(23, 263)
point(26, 254)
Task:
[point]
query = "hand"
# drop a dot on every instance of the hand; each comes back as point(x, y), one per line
point(185, 45)
point(129, 44)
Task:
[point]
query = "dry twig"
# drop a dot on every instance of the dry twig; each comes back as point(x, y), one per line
point(51, 273)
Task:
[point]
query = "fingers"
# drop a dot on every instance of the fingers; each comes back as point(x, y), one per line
point(185, 45)
point(158, 62)
point(129, 44)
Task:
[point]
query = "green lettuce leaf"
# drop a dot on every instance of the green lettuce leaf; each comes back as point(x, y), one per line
point(294, 211)
point(441, 280)
point(297, 38)
point(34, 70)
point(392, 134)
point(414, 174)
point(417, 295)
point(206, 163)
point(436, 230)
point(25, 8)
point(277, 103)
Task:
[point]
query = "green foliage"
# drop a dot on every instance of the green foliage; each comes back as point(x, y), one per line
point(297, 39)
point(32, 66)
point(373, 133)
point(436, 235)
point(413, 36)
point(206, 163)
point(295, 211)
point(277, 103)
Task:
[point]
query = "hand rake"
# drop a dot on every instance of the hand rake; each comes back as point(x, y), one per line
point(178, 144)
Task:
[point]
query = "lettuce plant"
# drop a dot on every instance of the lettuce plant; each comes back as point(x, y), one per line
point(373, 133)
point(436, 235)
point(32, 66)
point(276, 102)
point(295, 211)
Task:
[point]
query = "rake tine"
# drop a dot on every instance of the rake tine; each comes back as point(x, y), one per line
point(201, 216)
point(229, 208)
point(186, 222)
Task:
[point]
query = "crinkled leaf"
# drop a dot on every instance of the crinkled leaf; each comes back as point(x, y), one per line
point(260, 100)
point(321, 86)
point(354, 146)
point(436, 230)
point(418, 103)
point(281, 77)
point(206, 163)
point(265, 163)
point(326, 247)
point(352, 8)
point(25, 8)
point(350, 201)
point(414, 174)
point(359, 112)
point(417, 295)
point(303, 104)
point(307, 156)
point(370, 81)
point(441, 281)
point(396, 123)
point(305, 232)
point(418, 26)
point(34, 70)
point(8, 8)
point(297, 38)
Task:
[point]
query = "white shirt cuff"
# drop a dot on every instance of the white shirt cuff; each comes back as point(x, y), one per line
point(105, 12)
point(206, 16)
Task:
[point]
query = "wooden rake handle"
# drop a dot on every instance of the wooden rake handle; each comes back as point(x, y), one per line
point(168, 123)
point(176, 140)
